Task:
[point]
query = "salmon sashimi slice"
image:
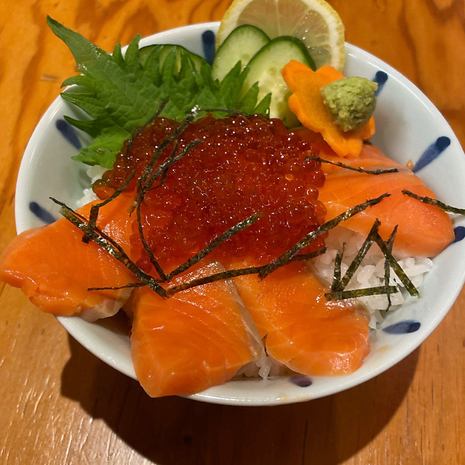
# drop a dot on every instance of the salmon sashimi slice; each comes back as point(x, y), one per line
point(423, 230)
point(55, 268)
point(196, 339)
point(302, 329)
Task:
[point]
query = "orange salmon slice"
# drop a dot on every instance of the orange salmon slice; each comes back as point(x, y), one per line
point(196, 339)
point(55, 268)
point(302, 329)
point(423, 230)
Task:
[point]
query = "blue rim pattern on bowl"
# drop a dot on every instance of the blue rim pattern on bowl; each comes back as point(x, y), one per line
point(403, 327)
point(41, 213)
point(431, 153)
point(301, 380)
point(69, 133)
point(380, 78)
point(459, 233)
point(208, 45)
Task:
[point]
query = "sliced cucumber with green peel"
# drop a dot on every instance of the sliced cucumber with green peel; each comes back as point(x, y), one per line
point(241, 45)
point(164, 50)
point(265, 68)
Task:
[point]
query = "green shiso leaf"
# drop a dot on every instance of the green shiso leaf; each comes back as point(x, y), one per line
point(119, 94)
point(103, 149)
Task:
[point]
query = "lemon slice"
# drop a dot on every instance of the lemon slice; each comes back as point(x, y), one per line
point(314, 22)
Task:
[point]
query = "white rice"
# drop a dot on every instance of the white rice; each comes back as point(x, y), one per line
point(92, 173)
point(370, 273)
point(263, 368)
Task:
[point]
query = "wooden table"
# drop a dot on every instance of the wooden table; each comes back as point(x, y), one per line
point(60, 405)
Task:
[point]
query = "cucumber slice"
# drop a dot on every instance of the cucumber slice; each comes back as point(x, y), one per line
point(241, 45)
point(164, 50)
point(265, 68)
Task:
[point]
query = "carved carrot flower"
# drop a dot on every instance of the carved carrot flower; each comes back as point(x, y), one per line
point(328, 103)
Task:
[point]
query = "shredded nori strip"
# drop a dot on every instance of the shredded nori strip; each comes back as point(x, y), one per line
point(387, 267)
point(117, 251)
point(94, 211)
point(146, 245)
point(336, 284)
point(359, 257)
point(161, 171)
point(289, 254)
point(436, 203)
point(339, 292)
point(310, 255)
point(412, 290)
point(148, 178)
point(165, 166)
point(110, 246)
point(141, 183)
point(353, 168)
point(222, 275)
point(215, 277)
point(355, 293)
point(216, 242)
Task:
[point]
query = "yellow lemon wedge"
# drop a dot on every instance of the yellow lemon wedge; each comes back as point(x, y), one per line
point(314, 22)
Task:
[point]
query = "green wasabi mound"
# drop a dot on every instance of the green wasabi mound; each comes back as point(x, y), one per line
point(351, 101)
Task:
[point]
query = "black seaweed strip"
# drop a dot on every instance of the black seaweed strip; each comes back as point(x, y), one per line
point(147, 178)
point(217, 241)
point(310, 255)
point(214, 277)
point(307, 256)
point(352, 168)
point(234, 273)
point(289, 254)
point(171, 160)
point(146, 181)
point(387, 267)
point(94, 211)
point(161, 172)
point(146, 246)
point(162, 169)
point(355, 293)
point(436, 203)
point(335, 285)
point(141, 190)
point(144, 184)
point(150, 165)
point(110, 246)
point(412, 290)
point(117, 251)
point(359, 257)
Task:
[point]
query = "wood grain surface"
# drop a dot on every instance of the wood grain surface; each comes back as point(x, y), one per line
point(61, 405)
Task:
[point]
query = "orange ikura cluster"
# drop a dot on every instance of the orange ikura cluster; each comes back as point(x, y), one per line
point(242, 165)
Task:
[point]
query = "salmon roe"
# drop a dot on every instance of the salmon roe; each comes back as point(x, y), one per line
point(242, 165)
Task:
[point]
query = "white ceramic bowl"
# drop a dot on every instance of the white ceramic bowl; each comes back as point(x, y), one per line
point(409, 128)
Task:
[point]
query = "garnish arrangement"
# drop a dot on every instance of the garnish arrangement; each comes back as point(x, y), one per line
point(123, 93)
point(240, 204)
